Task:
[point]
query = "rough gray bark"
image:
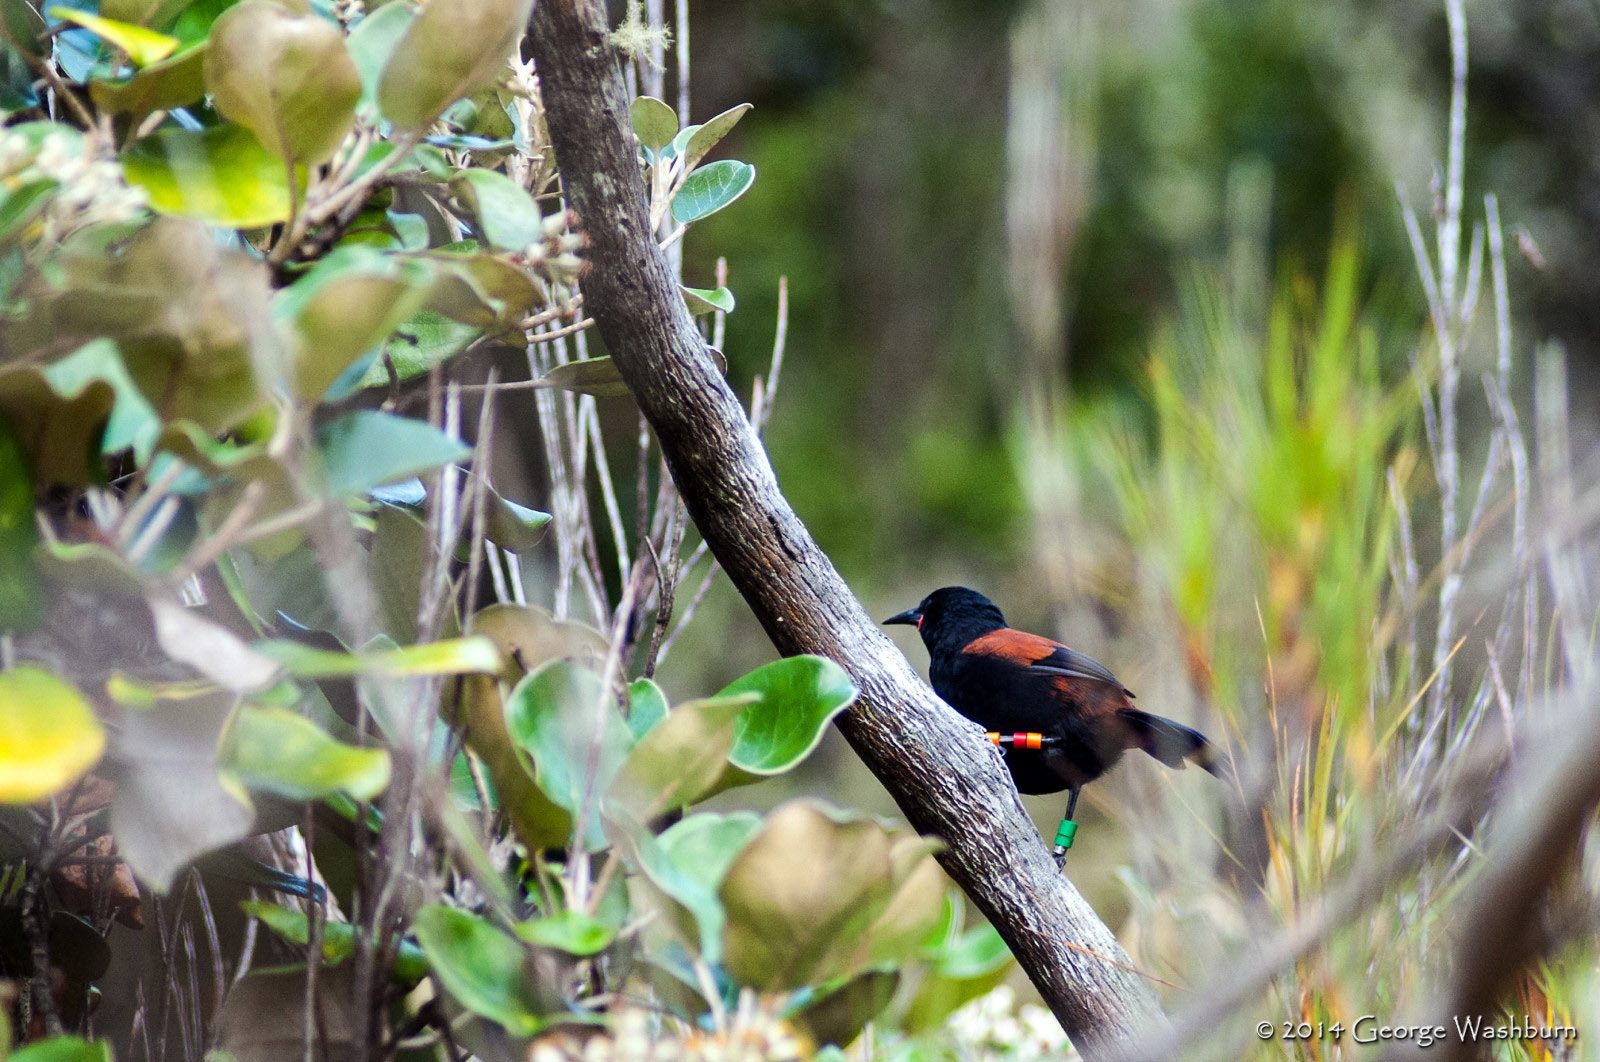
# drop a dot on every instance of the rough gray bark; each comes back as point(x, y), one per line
point(945, 777)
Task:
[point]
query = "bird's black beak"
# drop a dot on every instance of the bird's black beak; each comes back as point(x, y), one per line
point(910, 617)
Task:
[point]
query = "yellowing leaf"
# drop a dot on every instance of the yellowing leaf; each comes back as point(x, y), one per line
point(49, 737)
point(143, 46)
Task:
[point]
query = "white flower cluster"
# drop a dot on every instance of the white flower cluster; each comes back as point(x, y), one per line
point(89, 190)
point(637, 1036)
point(556, 253)
point(993, 1027)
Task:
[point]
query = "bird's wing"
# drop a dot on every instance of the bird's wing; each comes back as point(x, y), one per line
point(1042, 656)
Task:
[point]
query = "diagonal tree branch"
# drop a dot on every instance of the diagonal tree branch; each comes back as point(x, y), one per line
point(948, 781)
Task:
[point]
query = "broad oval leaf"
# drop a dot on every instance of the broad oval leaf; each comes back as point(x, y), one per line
point(368, 448)
point(427, 339)
point(705, 137)
point(344, 307)
point(687, 864)
point(557, 714)
point(447, 52)
point(511, 526)
point(647, 705)
point(60, 429)
point(570, 931)
point(704, 300)
point(49, 736)
point(839, 1016)
point(799, 696)
point(710, 188)
point(176, 81)
point(507, 217)
point(654, 122)
point(285, 753)
point(220, 175)
point(679, 760)
point(338, 939)
point(373, 41)
point(286, 77)
point(480, 965)
point(813, 896)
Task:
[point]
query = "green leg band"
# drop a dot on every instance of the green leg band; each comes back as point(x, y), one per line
point(1065, 833)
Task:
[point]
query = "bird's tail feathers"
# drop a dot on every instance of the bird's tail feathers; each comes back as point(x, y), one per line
point(1172, 743)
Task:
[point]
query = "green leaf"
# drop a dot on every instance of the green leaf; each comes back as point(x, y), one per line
point(63, 1049)
point(49, 736)
point(688, 863)
point(189, 316)
point(338, 939)
point(707, 842)
point(647, 706)
point(591, 376)
point(447, 52)
point(288, 78)
point(24, 27)
point(555, 715)
point(396, 562)
point(706, 137)
point(679, 759)
point(195, 17)
point(570, 931)
point(511, 526)
point(368, 448)
point(134, 423)
point(60, 432)
point(454, 656)
point(344, 307)
point(654, 122)
point(21, 585)
point(702, 300)
point(220, 175)
point(709, 189)
point(373, 41)
point(480, 289)
point(285, 753)
point(962, 970)
point(504, 214)
point(814, 896)
point(799, 696)
point(142, 46)
point(176, 81)
point(427, 339)
point(23, 205)
point(481, 966)
point(837, 1017)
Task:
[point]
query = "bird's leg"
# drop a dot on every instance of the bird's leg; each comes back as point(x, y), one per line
point(1067, 830)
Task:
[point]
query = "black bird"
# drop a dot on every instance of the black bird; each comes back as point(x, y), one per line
point(1012, 682)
